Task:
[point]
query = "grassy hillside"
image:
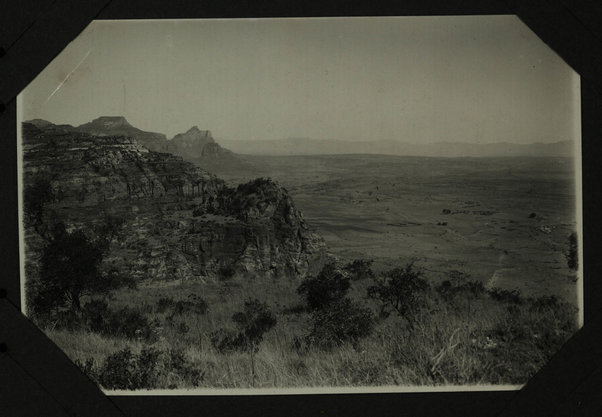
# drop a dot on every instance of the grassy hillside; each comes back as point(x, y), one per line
point(463, 334)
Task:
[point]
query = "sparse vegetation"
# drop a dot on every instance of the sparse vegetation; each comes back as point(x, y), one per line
point(461, 334)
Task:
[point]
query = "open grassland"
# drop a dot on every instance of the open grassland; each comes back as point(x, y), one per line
point(504, 221)
point(458, 338)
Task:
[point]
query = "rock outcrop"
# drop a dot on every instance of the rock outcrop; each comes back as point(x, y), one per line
point(180, 221)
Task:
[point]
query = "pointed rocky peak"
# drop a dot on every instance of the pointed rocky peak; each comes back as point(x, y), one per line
point(194, 137)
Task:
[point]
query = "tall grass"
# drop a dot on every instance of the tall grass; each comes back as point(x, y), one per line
point(466, 337)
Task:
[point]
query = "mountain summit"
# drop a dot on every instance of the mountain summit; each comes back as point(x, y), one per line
point(119, 126)
point(199, 147)
point(194, 140)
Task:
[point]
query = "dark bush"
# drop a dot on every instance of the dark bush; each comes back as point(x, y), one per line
point(328, 287)
point(165, 303)
point(294, 309)
point(96, 316)
point(505, 296)
point(543, 303)
point(225, 342)
point(176, 363)
point(130, 323)
point(359, 269)
point(198, 211)
point(194, 304)
point(343, 321)
point(126, 370)
point(226, 273)
point(253, 322)
point(459, 283)
point(129, 371)
point(182, 328)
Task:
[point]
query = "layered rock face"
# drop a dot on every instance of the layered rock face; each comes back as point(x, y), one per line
point(179, 220)
point(195, 145)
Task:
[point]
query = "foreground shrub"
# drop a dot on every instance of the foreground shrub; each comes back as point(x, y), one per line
point(401, 289)
point(360, 269)
point(226, 273)
point(459, 284)
point(506, 296)
point(194, 304)
point(176, 363)
point(164, 304)
point(148, 369)
point(328, 287)
point(127, 322)
point(458, 290)
point(343, 321)
point(96, 316)
point(130, 323)
point(126, 370)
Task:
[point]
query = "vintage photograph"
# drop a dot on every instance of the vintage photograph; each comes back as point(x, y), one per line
point(303, 204)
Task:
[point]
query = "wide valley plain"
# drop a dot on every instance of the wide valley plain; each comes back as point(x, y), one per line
point(503, 221)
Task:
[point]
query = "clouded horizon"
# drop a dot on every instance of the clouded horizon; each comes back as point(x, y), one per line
point(477, 79)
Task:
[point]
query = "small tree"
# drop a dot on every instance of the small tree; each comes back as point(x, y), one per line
point(401, 289)
point(328, 287)
point(253, 322)
point(69, 269)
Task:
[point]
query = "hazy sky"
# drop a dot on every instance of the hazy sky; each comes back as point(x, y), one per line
point(414, 79)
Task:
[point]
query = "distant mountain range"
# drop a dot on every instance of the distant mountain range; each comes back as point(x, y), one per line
point(198, 146)
point(307, 146)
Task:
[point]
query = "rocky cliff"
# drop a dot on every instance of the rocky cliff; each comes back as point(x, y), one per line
point(180, 221)
point(195, 145)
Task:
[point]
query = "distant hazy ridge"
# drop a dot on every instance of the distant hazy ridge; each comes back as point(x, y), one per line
point(306, 146)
